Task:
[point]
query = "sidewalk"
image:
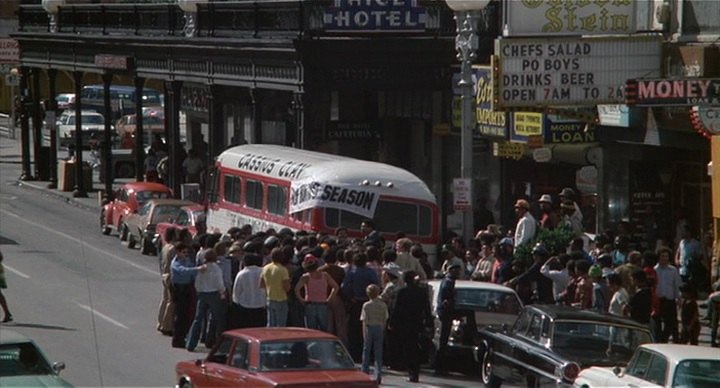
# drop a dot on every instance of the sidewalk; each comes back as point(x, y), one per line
point(10, 153)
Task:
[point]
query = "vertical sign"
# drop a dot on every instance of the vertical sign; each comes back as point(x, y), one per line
point(462, 195)
point(489, 122)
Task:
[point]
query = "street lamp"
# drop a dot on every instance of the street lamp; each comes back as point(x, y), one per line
point(52, 7)
point(466, 43)
point(190, 9)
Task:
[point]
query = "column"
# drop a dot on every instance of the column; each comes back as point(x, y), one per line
point(24, 126)
point(173, 91)
point(52, 117)
point(216, 127)
point(80, 189)
point(256, 115)
point(39, 155)
point(139, 135)
point(107, 162)
point(298, 107)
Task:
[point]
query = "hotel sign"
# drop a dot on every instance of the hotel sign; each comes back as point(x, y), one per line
point(571, 71)
point(117, 62)
point(569, 17)
point(673, 92)
point(375, 16)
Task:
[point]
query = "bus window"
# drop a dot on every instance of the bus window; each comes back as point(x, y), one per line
point(390, 217)
point(277, 200)
point(232, 189)
point(253, 194)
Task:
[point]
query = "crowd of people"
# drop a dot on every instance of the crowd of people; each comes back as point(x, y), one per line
point(373, 299)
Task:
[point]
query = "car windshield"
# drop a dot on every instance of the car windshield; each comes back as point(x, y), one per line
point(22, 359)
point(602, 341)
point(697, 374)
point(487, 300)
point(144, 196)
point(304, 354)
point(164, 213)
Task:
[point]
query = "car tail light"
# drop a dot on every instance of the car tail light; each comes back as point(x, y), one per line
point(570, 371)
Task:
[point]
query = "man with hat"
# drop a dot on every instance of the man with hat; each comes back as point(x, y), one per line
point(568, 194)
point(570, 220)
point(550, 218)
point(444, 310)
point(526, 225)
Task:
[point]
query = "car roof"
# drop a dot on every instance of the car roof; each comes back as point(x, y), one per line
point(119, 88)
point(280, 333)
point(676, 353)
point(146, 186)
point(84, 112)
point(194, 207)
point(474, 285)
point(12, 337)
point(567, 313)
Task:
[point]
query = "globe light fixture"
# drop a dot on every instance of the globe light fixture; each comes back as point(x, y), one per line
point(52, 7)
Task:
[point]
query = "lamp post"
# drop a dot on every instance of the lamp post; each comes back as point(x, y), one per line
point(190, 9)
point(466, 43)
point(52, 8)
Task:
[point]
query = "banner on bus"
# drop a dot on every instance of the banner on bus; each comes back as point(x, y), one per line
point(310, 193)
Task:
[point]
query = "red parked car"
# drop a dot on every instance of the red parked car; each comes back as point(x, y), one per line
point(191, 217)
point(128, 199)
point(274, 357)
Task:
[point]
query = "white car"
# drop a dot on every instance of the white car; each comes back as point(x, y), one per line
point(659, 365)
point(477, 304)
point(92, 122)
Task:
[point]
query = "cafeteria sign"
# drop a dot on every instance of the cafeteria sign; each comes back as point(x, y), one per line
point(310, 193)
point(375, 16)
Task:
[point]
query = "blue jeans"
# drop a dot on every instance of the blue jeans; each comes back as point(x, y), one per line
point(373, 342)
point(316, 316)
point(277, 312)
point(207, 301)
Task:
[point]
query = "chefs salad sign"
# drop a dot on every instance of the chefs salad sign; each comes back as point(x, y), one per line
point(571, 71)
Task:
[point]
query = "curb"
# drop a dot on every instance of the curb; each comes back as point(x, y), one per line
point(53, 193)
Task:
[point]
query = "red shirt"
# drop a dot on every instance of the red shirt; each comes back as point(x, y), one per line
point(652, 282)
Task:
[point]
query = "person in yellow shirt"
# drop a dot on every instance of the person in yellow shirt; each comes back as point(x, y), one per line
point(275, 279)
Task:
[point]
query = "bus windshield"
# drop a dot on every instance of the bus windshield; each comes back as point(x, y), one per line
point(390, 217)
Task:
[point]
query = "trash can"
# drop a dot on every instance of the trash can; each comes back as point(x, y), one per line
point(66, 175)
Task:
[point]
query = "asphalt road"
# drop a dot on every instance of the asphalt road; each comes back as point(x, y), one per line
point(89, 301)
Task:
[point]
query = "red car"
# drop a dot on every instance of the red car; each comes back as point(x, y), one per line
point(274, 357)
point(191, 217)
point(128, 199)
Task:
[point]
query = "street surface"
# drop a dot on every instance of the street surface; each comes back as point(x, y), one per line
point(86, 299)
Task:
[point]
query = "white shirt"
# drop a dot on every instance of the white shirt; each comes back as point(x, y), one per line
point(668, 282)
point(619, 300)
point(246, 291)
point(210, 280)
point(560, 279)
point(407, 262)
point(525, 229)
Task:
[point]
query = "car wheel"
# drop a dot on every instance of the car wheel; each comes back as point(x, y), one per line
point(131, 241)
point(486, 372)
point(103, 227)
point(123, 231)
point(146, 247)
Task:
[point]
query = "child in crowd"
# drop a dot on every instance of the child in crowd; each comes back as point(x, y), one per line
point(374, 315)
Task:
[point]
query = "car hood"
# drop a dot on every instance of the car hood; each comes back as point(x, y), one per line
point(483, 318)
point(597, 377)
point(33, 381)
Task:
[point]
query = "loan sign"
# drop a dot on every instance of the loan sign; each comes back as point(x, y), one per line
point(673, 92)
point(309, 193)
point(569, 17)
point(571, 71)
